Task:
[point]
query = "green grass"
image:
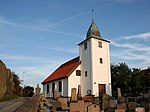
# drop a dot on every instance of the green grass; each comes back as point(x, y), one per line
point(7, 98)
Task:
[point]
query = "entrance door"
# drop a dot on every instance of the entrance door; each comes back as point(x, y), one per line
point(101, 88)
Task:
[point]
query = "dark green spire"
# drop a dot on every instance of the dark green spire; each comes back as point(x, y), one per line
point(93, 31)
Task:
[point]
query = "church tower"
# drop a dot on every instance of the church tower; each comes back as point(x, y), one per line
point(95, 63)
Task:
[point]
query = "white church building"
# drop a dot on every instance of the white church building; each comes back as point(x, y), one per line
point(91, 69)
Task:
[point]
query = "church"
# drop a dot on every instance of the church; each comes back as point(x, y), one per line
point(90, 70)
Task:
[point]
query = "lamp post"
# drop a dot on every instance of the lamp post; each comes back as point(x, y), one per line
point(22, 83)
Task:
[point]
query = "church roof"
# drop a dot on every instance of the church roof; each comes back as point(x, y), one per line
point(63, 71)
point(93, 31)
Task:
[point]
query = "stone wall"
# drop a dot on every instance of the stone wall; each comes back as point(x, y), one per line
point(6, 81)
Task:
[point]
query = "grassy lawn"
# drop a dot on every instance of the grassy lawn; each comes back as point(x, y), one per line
point(8, 98)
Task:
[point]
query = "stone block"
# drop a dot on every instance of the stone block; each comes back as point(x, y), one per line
point(81, 107)
point(93, 108)
point(132, 105)
point(63, 101)
point(139, 109)
point(131, 99)
point(121, 106)
point(113, 103)
point(89, 98)
point(105, 101)
point(86, 104)
point(56, 105)
point(73, 106)
point(120, 110)
point(73, 94)
point(122, 99)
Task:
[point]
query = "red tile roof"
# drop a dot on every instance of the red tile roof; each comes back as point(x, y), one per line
point(63, 71)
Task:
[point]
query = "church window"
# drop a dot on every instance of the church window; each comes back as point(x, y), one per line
point(85, 73)
point(78, 72)
point(47, 88)
point(53, 87)
point(85, 46)
point(99, 44)
point(60, 86)
point(101, 60)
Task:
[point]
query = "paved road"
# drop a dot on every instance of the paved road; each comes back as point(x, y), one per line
point(11, 106)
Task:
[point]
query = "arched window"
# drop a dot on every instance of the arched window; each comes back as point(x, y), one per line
point(53, 87)
point(60, 86)
point(47, 88)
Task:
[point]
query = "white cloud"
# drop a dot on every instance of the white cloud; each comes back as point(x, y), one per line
point(145, 36)
point(135, 46)
point(72, 51)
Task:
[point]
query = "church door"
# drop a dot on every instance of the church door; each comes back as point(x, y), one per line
point(101, 88)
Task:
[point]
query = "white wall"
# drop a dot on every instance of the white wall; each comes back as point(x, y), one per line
point(64, 91)
point(90, 62)
point(101, 72)
point(73, 81)
point(86, 65)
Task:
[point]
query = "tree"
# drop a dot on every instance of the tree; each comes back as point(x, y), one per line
point(28, 91)
point(17, 84)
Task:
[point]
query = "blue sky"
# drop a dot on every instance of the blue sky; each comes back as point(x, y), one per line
point(36, 36)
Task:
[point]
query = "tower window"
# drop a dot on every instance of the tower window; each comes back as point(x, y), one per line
point(101, 60)
point(85, 45)
point(60, 86)
point(85, 73)
point(78, 72)
point(99, 44)
point(47, 88)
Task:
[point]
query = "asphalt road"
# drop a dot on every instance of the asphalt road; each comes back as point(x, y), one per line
point(13, 105)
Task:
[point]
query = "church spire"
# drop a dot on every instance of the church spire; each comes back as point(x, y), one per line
point(93, 30)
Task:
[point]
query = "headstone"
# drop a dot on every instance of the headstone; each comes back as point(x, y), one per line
point(73, 106)
point(120, 110)
point(86, 104)
point(79, 93)
point(132, 105)
point(113, 103)
point(121, 106)
point(73, 94)
point(89, 98)
point(119, 92)
point(122, 99)
point(55, 94)
point(93, 108)
point(37, 89)
point(63, 101)
point(105, 101)
point(81, 106)
point(139, 109)
point(55, 106)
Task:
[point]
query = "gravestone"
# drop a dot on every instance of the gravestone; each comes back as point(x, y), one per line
point(119, 92)
point(139, 109)
point(105, 101)
point(56, 106)
point(93, 108)
point(73, 106)
point(63, 101)
point(86, 104)
point(37, 89)
point(113, 102)
point(55, 94)
point(122, 99)
point(120, 110)
point(79, 93)
point(81, 106)
point(73, 94)
point(121, 106)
